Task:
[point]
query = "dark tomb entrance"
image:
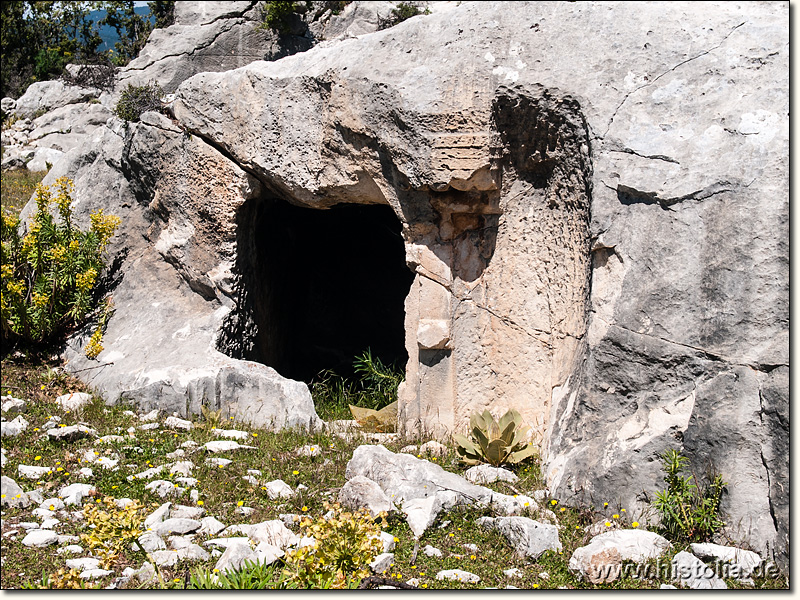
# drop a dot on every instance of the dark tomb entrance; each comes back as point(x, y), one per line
point(318, 287)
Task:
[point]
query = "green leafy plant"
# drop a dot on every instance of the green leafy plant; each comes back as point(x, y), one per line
point(275, 15)
point(345, 543)
point(493, 442)
point(375, 388)
point(380, 380)
point(212, 419)
point(49, 274)
point(136, 100)
point(403, 11)
point(112, 528)
point(253, 575)
point(688, 512)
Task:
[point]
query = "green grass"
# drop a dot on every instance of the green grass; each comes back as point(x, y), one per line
point(275, 454)
point(18, 186)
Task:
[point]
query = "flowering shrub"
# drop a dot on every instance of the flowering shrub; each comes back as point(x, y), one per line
point(112, 529)
point(346, 542)
point(49, 273)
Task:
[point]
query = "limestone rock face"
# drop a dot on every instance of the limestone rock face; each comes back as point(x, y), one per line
point(220, 36)
point(592, 198)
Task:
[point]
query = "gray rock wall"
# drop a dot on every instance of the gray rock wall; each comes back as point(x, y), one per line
point(594, 202)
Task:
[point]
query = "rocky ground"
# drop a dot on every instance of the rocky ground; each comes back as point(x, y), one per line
point(215, 494)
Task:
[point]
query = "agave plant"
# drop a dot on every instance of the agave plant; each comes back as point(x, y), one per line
point(493, 442)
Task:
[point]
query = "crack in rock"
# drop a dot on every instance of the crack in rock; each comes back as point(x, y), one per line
point(683, 62)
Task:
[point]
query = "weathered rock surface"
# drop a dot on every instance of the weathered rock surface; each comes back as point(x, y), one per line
point(14, 427)
point(601, 560)
point(361, 492)
point(74, 401)
point(742, 562)
point(689, 571)
point(529, 538)
point(458, 575)
point(11, 494)
point(422, 489)
point(480, 474)
point(616, 269)
point(44, 96)
point(71, 433)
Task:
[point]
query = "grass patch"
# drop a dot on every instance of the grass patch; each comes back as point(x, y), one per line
point(18, 187)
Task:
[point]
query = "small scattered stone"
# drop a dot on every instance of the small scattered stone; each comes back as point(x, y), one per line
point(193, 552)
point(218, 462)
point(309, 450)
point(233, 434)
point(225, 446)
point(73, 402)
point(73, 494)
point(410, 449)
point(188, 482)
point(70, 433)
point(158, 515)
point(183, 468)
point(50, 523)
point(482, 474)
point(382, 562)
point(43, 513)
point(458, 575)
point(172, 526)
point(432, 552)
point(225, 542)
point(245, 511)
point(151, 542)
point(234, 556)
point(528, 537)
point(68, 539)
point(40, 538)
point(151, 416)
point(433, 448)
point(513, 572)
point(165, 558)
point(95, 573)
point(289, 519)
point(146, 474)
point(164, 488)
point(148, 426)
point(186, 512)
point(176, 423)
point(83, 564)
point(11, 494)
point(32, 472)
point(13, 428)
point(71, 549)
point(11, 405)
point(109, 439)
